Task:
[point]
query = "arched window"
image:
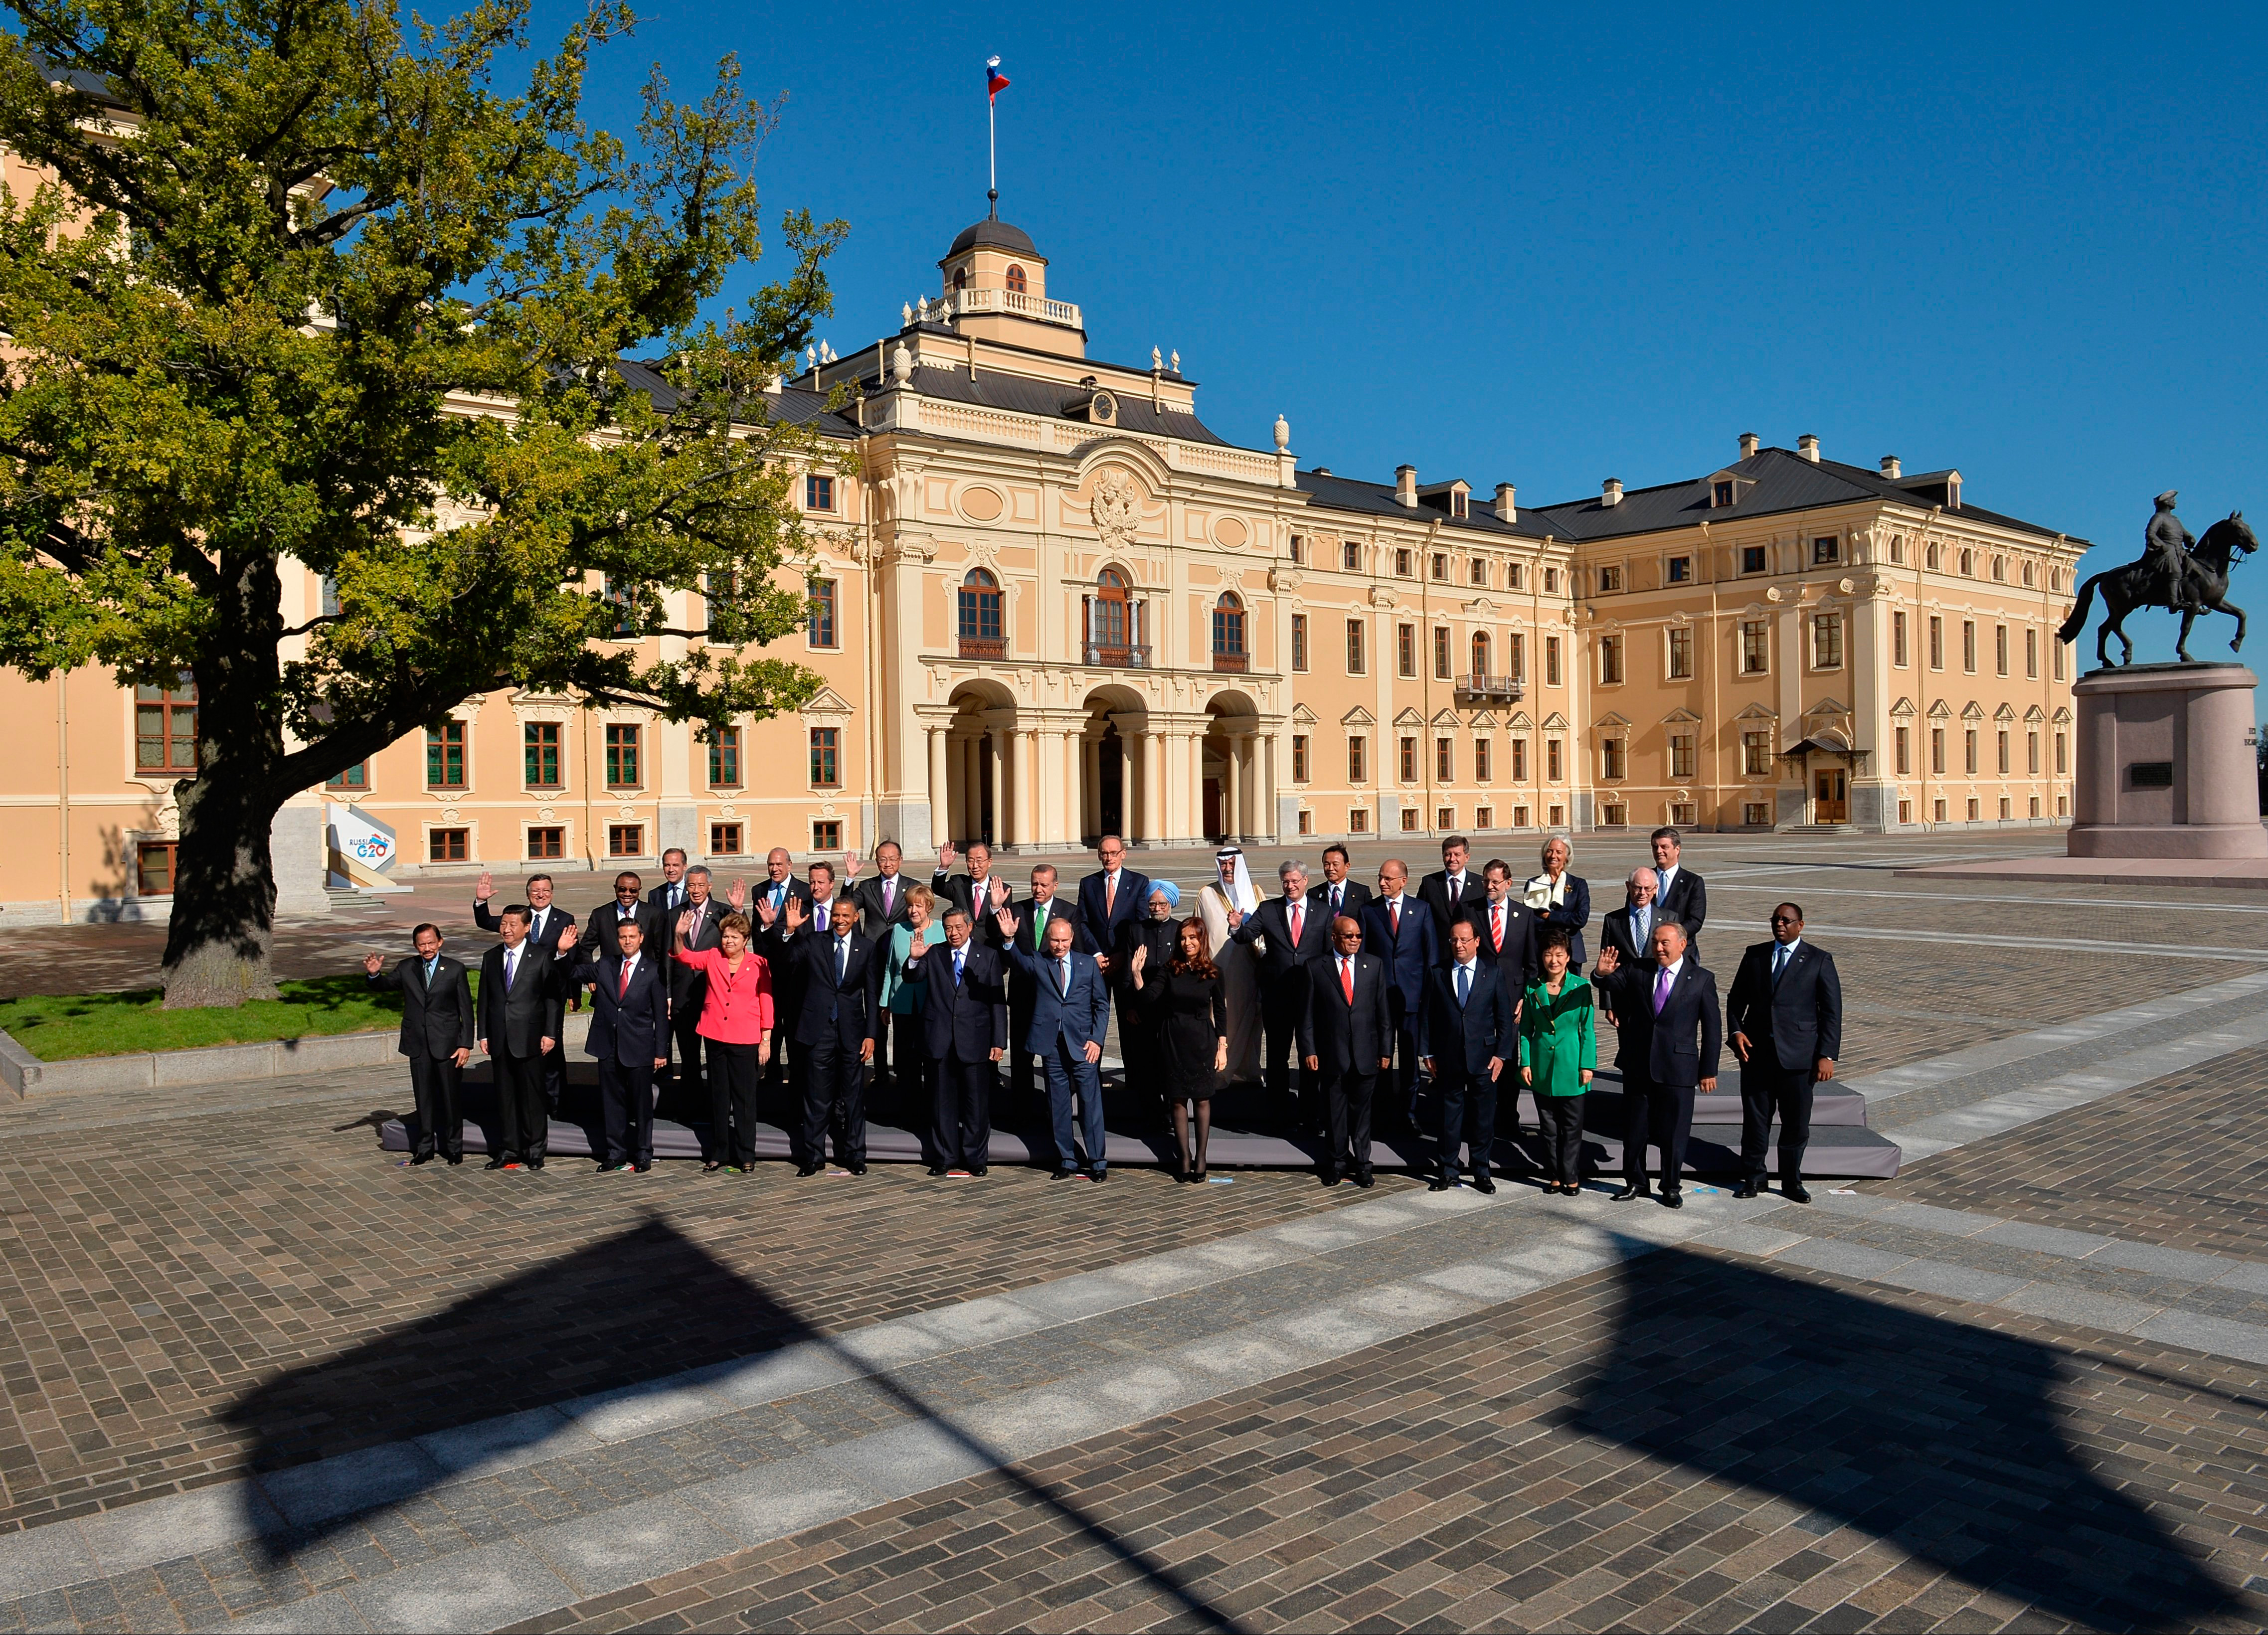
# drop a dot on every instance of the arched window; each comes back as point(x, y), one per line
point(1228, 632)
point(1929, 558)
point(1111, 620)
point(1968, 564)
point(2000, 570)
point(960, 279)
point(1480, 656)
point(980, 616)
point(1016, 279)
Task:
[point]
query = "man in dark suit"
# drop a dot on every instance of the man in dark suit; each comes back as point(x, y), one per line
point(630, 1037)
point(1464, 1032)
point(964, 1020)
point(1110, 897)
point(1629, 930)
point(437, 1037)
point(1679, 893)
point(766, 910)
point(1399, 933)
point(1346, 1038)
point(881, 901)
point(1032, 917)
point(841, 987)
point(546, 919)
point(628, 906)
point(670, 897)
point(1335, 893)
point(518, 1021)
point(971, 891)
point(1070, 1013)
point(1785, 1014)
point(1671, 1036)
point(1451, 891)
point(1507, 929)
point(1296, 934)
point(688, 988)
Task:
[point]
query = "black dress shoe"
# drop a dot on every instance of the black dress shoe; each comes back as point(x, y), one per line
point(1364, 1178)
point(1483, 1184)
point(1746, 1189)
point(1330, 1177)
point(1440, 1184)
point(1099, 1174)
point(421, 1158)
point(806, 1169)
point(937, 1171)
point(1673, 1200)
point(1628, 1193)
point(1064, 1175)
point(456, 1157)
point(535, 1163)
point(856, 1169)
point(978, 1169)
point(494, 1163)
point(1794, 1193)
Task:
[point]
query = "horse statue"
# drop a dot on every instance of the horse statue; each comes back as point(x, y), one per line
point(2172, 575)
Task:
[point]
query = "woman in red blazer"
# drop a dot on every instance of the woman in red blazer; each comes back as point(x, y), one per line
point(736, 1018)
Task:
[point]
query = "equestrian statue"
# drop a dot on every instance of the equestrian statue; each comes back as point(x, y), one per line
point(2180, 574)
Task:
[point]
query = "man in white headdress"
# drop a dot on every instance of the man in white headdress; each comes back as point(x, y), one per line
point(1230, 892)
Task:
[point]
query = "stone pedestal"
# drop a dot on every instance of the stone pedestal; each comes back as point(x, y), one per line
point(2163, 769)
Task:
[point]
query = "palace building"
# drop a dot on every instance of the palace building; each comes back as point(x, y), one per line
point(1050, 601)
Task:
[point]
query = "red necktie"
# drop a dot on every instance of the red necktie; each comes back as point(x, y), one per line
point(1346, 980)
point(1295, 927)
point(1496, 925)
point(623, 991)
point(1109, 895)
point(1394, 913)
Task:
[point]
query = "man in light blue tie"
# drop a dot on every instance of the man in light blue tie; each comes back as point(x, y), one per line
point(437, 1037)
point(1070, 1014)
point(1464, 1032)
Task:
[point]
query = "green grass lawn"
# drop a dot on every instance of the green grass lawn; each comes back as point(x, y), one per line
point(58, 1028)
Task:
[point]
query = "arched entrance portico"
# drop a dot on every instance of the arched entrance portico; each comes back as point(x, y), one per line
point(986, 775)
point(1235, 780)
point(1114, 753)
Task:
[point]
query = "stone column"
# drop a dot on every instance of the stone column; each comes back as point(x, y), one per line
point(1052, 790)
point(1090, 784)
point(940, 791)
point(1026, 824)
point(1232, 818)
point(997, 737)
point(1153, 806)
point(1273, 824)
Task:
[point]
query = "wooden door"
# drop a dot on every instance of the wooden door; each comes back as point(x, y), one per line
point(1834, 802)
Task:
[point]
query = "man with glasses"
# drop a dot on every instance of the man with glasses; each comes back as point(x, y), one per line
point(629, 904)
point(1785, 1016)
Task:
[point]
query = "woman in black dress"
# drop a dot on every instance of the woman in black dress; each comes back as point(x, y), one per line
point(1192, 1038)
point(1156, 935)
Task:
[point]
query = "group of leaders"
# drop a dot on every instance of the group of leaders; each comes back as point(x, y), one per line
point(1339, 1002)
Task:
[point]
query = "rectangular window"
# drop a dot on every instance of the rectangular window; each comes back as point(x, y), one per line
point(1440, 653)
point(1610, 659)
point(1306, 823)
point(1684, 813)
point(1756, 755)
point(1752, 559)
point(1680, 570)
point(2062, 755)
point(1351, 557)
point(2058, 661)
point(153, 868)
point(1898, 638)
point(1408, 748)
point(1298, 757)
point(1551, 581)
point(1827, 641)
point(1519, 761)
point(1551, 661)
point(2031, 653)
point(2032, 752)
point(1357, 820)
point(1480, 571)
point(625, 625)
point(1354, 647)
point(1515, 648)
point(1558, 816)
point(1299, 550)
point(1969, 646)
point(1401, 564)
point(1904, 738)
point(1938, 809)
point(1484, 817)
point(1681, 655)
point(1406, 650)
point(1905, 808)
point(723, 840)
point(1514, 577)
point(445, 755)
point(724, 758)
point(1610, 579)
point(1936, 643)
point(1480, 760)
point(166, 727)
point(1681, 754)
point(1613, 759)
point(1444, 817)
point(1756, 647)
point(539, 751)
point(354, 778)
point(719, 592)
point(1974, 809)
point(827, 836)
point(2005, 812)
point(1720, 494)
point(822, 628)
point(448, 845)
point(622, 755)
point(547, 845)
point(1825, 550)
point(819, 493)
point(1358, 760)
point(1756, 814)
point(1613, 814)
point(1409, 819)
point(1298, 641)
point(1968, 751)
point(1440, 565)
point(2000, 649)
point(1937, 750)
point(1553, 754)
point(1444, 760)
point(826, 761)
point(2002, 750)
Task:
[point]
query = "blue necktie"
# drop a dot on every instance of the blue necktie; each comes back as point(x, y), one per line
point(1464, 985)
point(1779, 964)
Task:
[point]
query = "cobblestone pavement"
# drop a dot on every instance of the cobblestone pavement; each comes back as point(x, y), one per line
point(257, 1376)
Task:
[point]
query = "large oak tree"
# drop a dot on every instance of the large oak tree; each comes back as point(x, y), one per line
point(293, 240)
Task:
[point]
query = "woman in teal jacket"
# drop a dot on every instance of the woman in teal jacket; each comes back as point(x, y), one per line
point(902, 993)
point(1558, 1052)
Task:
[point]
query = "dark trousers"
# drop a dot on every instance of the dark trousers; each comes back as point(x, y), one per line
point(1070, 1073)
point(1560, 1118)
point(732, 1104)
point(834, 1096)
point(683, 1073)
point(434, 1080)
point(555, 1079)
point(960, 1119)
point(1467, 1118)
point(1025, 1095)
point(1401, 1079)
point(522, 1108)
point(1281, 1016)
point(1142, 1067)
point(626, 1099)
point(885, 1070)
point(1657, 1114)
point(1767, 1088)
point(1346, 1101)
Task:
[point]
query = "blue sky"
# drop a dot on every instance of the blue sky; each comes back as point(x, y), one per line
point(1552, 247)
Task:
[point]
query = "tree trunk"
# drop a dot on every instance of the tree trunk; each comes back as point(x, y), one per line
point(218, 944)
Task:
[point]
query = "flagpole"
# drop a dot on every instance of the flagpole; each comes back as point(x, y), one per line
point(992, 154)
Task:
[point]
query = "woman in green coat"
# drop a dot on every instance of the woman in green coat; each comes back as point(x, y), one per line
point(1559, 1052)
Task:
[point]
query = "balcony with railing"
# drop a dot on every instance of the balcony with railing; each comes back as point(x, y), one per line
point(1231, 664)
point(1015, 304)
point(1121, 656)
point(983, 647)
point(1500, 689)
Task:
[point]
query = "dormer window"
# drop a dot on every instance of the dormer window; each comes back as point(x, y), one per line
point(1016, 285)
point(1460, 505)
point(1953, 492)
point(1720, 494)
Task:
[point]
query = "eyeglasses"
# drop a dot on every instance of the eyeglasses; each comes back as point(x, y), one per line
point(626, 891)
point(1785, 919)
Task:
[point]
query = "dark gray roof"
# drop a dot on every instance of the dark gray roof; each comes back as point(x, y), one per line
point(81, 79)
point(996, 235)
point(1782, 480)
point(1326, 493)
point(1026, 395)
point(793, 404)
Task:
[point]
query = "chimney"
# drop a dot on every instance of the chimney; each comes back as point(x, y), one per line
point(1808, 445)
point(1406, 485)
point(1504, 510)
point(1890, 467)
point(1749, 443)
point(1322, 471)
point(1611, 492)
